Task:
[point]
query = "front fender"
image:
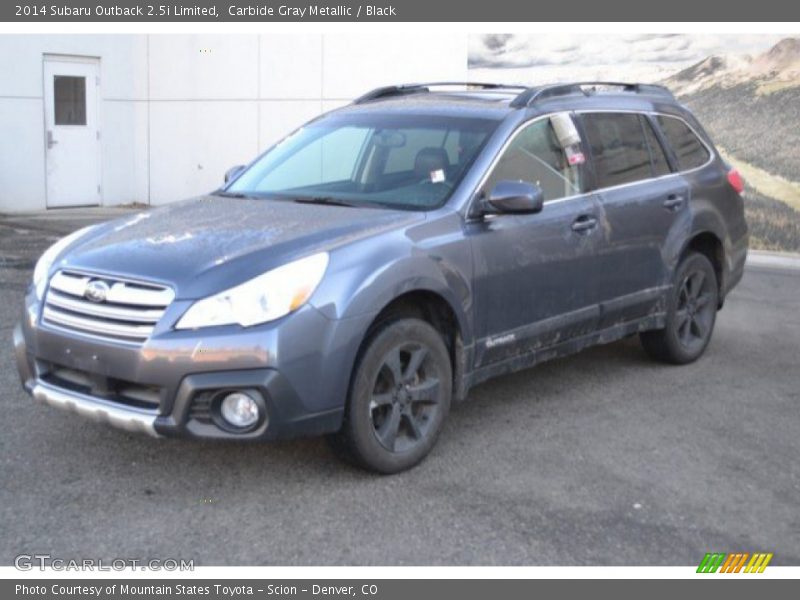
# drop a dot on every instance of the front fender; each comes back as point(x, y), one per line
point(367, 276)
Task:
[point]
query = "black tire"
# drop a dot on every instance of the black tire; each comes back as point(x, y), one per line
point(399, 398)
point(691, 314)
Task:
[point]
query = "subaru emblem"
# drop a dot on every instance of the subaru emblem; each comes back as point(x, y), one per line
point(96, 290)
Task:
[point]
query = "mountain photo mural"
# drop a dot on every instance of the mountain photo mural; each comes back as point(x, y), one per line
point(745, 89)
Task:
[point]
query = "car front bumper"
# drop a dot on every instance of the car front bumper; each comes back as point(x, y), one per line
point(96, 409)
point(297, 367)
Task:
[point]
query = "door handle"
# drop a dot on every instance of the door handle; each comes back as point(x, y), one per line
point(584, 224)
point(50, 141)
point(674, 201)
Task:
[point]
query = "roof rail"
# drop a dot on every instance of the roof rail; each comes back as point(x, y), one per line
point(535, 94)
point(421, 88)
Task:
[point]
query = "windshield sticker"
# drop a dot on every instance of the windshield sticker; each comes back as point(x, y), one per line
point(437, 176)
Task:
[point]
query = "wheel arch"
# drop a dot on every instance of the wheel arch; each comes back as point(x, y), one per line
point(435, 309)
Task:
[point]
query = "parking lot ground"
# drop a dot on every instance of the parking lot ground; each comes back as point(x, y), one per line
point(597, 459)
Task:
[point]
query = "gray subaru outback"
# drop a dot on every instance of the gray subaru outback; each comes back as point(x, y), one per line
point(364, 273)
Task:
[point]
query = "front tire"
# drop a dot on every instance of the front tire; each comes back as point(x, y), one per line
point(399, 398)
point(691, 314)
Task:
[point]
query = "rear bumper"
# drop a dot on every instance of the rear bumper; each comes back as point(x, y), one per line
point(737, 258)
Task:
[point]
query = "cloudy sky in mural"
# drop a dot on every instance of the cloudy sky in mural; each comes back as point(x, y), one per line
point(645, 56)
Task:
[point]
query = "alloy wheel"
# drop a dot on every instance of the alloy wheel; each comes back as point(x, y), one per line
point(405, 397)
point(694, 315)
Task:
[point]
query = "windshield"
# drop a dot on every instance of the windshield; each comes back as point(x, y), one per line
point(409, 162)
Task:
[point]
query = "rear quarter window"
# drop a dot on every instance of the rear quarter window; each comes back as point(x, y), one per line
point(689, 150)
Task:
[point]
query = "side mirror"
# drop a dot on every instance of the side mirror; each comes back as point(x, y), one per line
point(233, 172)
point(515, 197)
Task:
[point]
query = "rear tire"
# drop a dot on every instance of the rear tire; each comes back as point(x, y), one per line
point(691, 314)
point(399, 398)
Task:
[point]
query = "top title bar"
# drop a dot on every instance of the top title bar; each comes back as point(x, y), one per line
point(395, 11)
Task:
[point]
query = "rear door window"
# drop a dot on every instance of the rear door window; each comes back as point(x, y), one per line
point(689, 150)
point(619, 148)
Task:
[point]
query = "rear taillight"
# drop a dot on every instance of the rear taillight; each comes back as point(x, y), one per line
point(736, 181)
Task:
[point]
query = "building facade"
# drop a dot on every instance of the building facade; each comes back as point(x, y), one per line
point(104, 120)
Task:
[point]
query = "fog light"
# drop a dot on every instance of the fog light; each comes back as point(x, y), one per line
point(240, 410)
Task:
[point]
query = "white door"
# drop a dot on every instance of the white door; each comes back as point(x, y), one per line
point(72, 136)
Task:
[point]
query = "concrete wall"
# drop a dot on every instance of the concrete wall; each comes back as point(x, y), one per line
point(178, 110)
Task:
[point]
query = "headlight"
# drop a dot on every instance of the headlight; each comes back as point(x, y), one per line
point(50, 255)
point(264, 298)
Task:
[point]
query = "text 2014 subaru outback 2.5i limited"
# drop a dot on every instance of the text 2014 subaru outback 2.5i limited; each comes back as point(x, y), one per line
point(361, 275)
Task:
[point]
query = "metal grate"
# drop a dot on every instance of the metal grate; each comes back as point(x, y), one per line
point(201, 408)
point(104, 306)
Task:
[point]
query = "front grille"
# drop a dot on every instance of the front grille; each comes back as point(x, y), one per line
point(128, 311)
point(99, 386)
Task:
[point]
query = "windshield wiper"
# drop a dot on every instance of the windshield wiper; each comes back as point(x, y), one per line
point(328, 200)
point(231, 194)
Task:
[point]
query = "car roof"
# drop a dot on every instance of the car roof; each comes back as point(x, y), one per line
point(497, 101)
point(475, 105)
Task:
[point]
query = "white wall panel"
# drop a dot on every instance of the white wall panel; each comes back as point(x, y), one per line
point(279, 118)
point(203, 67)
point(193, 143)
point(329, 105)
point(212, 100)
point(22, 184)
point(354, 64)
point(123, 61)
point(291, 66)
point(124, 142)
point(21, 67)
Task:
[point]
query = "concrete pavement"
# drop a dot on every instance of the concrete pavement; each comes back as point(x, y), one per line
point(601, 458)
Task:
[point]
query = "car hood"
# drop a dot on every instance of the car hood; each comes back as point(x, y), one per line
point(207, 244)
